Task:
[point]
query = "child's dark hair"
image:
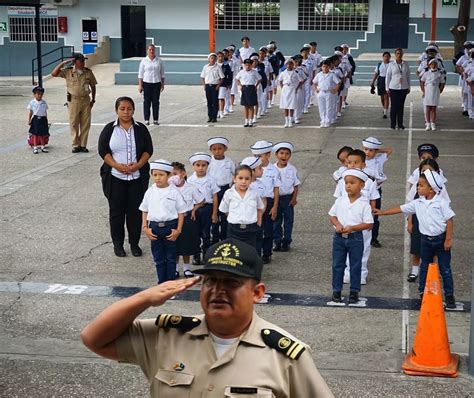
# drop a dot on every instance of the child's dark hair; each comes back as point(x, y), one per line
point(357, 152)
point(429, 162)
point(345, 148)
point(243, 167)
point(179, 166)
point(119, 100)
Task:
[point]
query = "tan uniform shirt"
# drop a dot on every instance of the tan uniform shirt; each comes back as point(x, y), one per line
point(184, 364)
point(78, 84)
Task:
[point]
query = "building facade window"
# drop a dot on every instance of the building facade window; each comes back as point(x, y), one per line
point(247, 15)
point(333, 15)
point(23, 29)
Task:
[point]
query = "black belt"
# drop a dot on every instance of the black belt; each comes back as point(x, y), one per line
point(442, 236)
point(348, 236)
point(162, 224)
point(244, 226)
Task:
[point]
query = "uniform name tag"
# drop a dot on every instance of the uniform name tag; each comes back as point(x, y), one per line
point(243, 390)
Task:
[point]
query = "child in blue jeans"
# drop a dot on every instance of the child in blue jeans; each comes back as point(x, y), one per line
point(435, 219)
point(163, 209)
point(350, 215)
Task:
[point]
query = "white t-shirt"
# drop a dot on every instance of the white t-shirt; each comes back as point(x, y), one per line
point(245, 53)
point(289, 179)
point(221, 346)
point(212, 74)
point(191, 195)
point(326, 81)
point(375, 167)
point(350, 214)
point(39, 108)
point(432, 214)
point(222, 170)
point(206, 185)
point(162, 204)
point(241, 210)
point(258, 186)
point(151, 70)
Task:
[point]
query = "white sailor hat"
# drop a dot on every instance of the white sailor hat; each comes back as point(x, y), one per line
point(431, 48)
point(263, 48)
point(162, 165)
point(434, 179)
point(433, 61)
point(283, 144)
point(200, 156)
point(338, 53)
point(356, 173)
point(371, 143)
point(217, 140)
point(467, 43)
point(270, 46)
point(211, 54)
point(253, 57)
point(344, 45)
point(306, 45)
point(261, 147)
point(252, 161)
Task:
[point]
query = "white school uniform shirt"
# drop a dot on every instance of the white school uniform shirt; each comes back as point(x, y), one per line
point(413, 180)
point(289, 78)
point(316, 59)
point(206, 185)
point(258, 186)
point(434, 78)
point(398, 76)
point(245, 53)
point(124, 150)
point(289, 179)
point(241, 210)
point(368, 193)
point(302, 73)
point(212, 74)
point(326, 81)
point(151, 70)
point(38, 108)
point(271, 179)
point(162, 204)
point(309, 64)
point(381, 69)
point(375, 167)
point(191, 195)
point(222, 171)
point(248, 77)
point(432, 214)
point(350, 214)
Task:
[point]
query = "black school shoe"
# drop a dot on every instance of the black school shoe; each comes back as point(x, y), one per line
point(277, 247)
point(84, 149)
point(412, 277)
point(353, 297)
point(119, 251)
point(267, 259)
point(76, 149)
point(376, 243)
point(336, 297)
point(285, 247)
point(136, 251)
point(197, 260)
point(450, 302)
point(465, 113)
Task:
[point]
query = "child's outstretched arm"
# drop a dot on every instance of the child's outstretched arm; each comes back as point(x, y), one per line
point(448, 241)
point(389, 212)
point(387, 150)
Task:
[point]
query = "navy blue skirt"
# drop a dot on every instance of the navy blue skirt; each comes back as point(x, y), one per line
point(188, 241)
point(39, 125)
point(249, 96)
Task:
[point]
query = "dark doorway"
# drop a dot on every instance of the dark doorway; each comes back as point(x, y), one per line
point(89, 35)
point(395, 23)
point(133, 31)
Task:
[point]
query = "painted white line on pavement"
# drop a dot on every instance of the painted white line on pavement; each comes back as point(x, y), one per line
point(406, 245)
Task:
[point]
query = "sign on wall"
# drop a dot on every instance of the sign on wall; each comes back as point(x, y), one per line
point(45, 11)
point(3, 26)
point(450, 3)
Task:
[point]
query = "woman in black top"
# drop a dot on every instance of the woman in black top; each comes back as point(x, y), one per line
point(125, 146)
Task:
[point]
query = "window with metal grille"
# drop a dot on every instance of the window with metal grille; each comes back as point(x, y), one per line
point(333, 15)
point(23, 29)
point(247, 15)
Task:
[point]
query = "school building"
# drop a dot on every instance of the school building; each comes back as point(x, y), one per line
point(119, 30)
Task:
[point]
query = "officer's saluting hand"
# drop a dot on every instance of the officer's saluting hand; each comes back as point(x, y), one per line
point(227, 351)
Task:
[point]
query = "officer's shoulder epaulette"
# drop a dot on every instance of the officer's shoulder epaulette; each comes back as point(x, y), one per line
point(287, 346)
point(182, 323)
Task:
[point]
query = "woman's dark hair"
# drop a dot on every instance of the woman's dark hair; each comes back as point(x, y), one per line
point(119, 100)
point(347, 149)
point(358, 152)
point(243, 167)
point(386, 53)
point(399, 50)
point(430, 162)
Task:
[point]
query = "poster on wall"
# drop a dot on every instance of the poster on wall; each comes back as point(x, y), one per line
point(47, 10)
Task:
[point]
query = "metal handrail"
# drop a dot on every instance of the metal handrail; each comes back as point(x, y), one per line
point(61, 58)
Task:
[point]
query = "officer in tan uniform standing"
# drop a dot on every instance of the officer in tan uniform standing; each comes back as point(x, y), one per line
point(80, 83)
point(229, 351)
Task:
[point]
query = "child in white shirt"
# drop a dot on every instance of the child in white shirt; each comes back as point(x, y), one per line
point(38, 121)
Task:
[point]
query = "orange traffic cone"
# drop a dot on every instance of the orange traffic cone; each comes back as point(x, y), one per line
point(430, 355)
